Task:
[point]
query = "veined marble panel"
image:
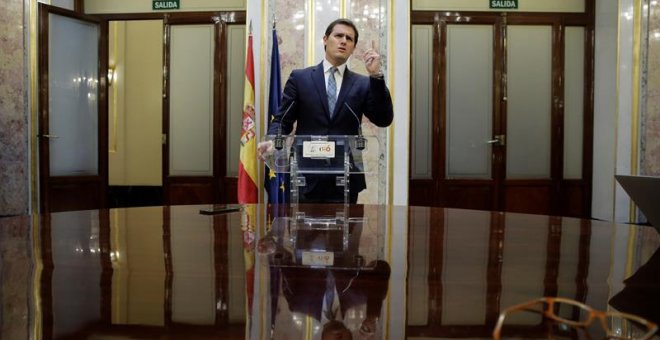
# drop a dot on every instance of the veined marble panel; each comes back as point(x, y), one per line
point(15, 271)
point(290, 17)
point(650, 153)
point(14, 176)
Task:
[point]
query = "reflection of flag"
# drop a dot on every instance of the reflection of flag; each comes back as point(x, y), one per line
point(247, 174)
point(275, 184)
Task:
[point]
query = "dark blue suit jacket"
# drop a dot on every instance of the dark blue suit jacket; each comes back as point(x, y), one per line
point(367, 96)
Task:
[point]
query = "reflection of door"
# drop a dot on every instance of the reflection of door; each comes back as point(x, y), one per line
point(72, 128)
point(499, 123)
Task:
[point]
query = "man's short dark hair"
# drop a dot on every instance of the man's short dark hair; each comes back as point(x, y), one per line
point(342, 21)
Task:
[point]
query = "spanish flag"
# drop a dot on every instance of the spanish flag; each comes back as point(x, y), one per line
point(247, 176)
point(247, 166)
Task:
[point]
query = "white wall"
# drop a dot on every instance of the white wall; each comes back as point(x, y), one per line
point(399, 84)
point(612, 107)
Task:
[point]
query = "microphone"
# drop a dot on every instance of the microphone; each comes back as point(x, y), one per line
point(279, 140)
point(360, 141)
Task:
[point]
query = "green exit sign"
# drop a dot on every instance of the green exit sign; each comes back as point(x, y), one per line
point(504, 4)
point(157, 5)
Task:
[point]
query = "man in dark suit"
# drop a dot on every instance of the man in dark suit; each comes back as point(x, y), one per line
point(317, 98)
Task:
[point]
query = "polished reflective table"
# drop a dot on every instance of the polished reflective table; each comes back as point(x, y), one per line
point(275, 272)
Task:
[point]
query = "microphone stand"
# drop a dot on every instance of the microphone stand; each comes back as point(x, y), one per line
point(360, 141)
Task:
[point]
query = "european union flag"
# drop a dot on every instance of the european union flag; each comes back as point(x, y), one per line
point(275, 184)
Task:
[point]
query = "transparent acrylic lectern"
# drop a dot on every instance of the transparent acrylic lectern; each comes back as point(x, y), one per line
point(318, 236)
point(301, 156)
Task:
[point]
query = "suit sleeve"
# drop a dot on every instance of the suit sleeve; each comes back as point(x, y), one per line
point(280, 120)
point(379, 103)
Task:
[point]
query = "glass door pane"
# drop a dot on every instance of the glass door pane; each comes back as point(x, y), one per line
point(573, 102)
point(421, 153)
point(469, 100)
point(73, 96)
point(191, 100)
point(529, 87)
point(235, 88)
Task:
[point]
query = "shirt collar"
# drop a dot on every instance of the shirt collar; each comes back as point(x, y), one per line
point(340, 69)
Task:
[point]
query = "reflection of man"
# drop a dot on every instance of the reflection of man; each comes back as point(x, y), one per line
point(354, 284)
point(319, 97)
point(311, 291)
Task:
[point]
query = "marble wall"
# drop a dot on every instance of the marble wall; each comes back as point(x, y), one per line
point(14, 173)
point(650, 118)
point(15, 271)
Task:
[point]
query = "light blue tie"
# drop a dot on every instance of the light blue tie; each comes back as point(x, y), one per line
point(332, 91)
point(329, 296)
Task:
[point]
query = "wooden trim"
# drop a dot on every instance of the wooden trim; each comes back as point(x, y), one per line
point(166, 110)
point(44, 154)
point(429, 17)
point(220, 111)
point(221, 267)
point(46, 283)
point(557, 117)
point(553, 258)
point(103, 150)
point(494, 269)
point(106, 267)
point(500, 111)
point(583, 261)
point(588, 134)
point(439, 99)
point(231, 17)
point(436, 260)
point(131, 16)
point(169, 267)
point(79, 6)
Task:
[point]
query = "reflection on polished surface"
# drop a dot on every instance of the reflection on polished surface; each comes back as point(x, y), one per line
point(377, 272)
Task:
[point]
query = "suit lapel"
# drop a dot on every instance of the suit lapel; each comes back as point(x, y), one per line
point(319, 82)
point(346, 85)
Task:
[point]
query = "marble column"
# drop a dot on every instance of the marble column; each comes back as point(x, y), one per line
point(650, 131)
point(14, 155)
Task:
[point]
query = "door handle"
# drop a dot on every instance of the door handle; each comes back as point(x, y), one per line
point(499, 140)
point(49, 136)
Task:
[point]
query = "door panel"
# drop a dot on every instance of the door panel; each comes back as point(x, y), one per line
point(73, 83)
point(468, 175)
point(489, 126)
point(529, 87)
point(469, 104)
point(574, 55)
point(72, 126)
point(191, 170)
point(191, 107)
point(529, 84)
point(424, 126)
